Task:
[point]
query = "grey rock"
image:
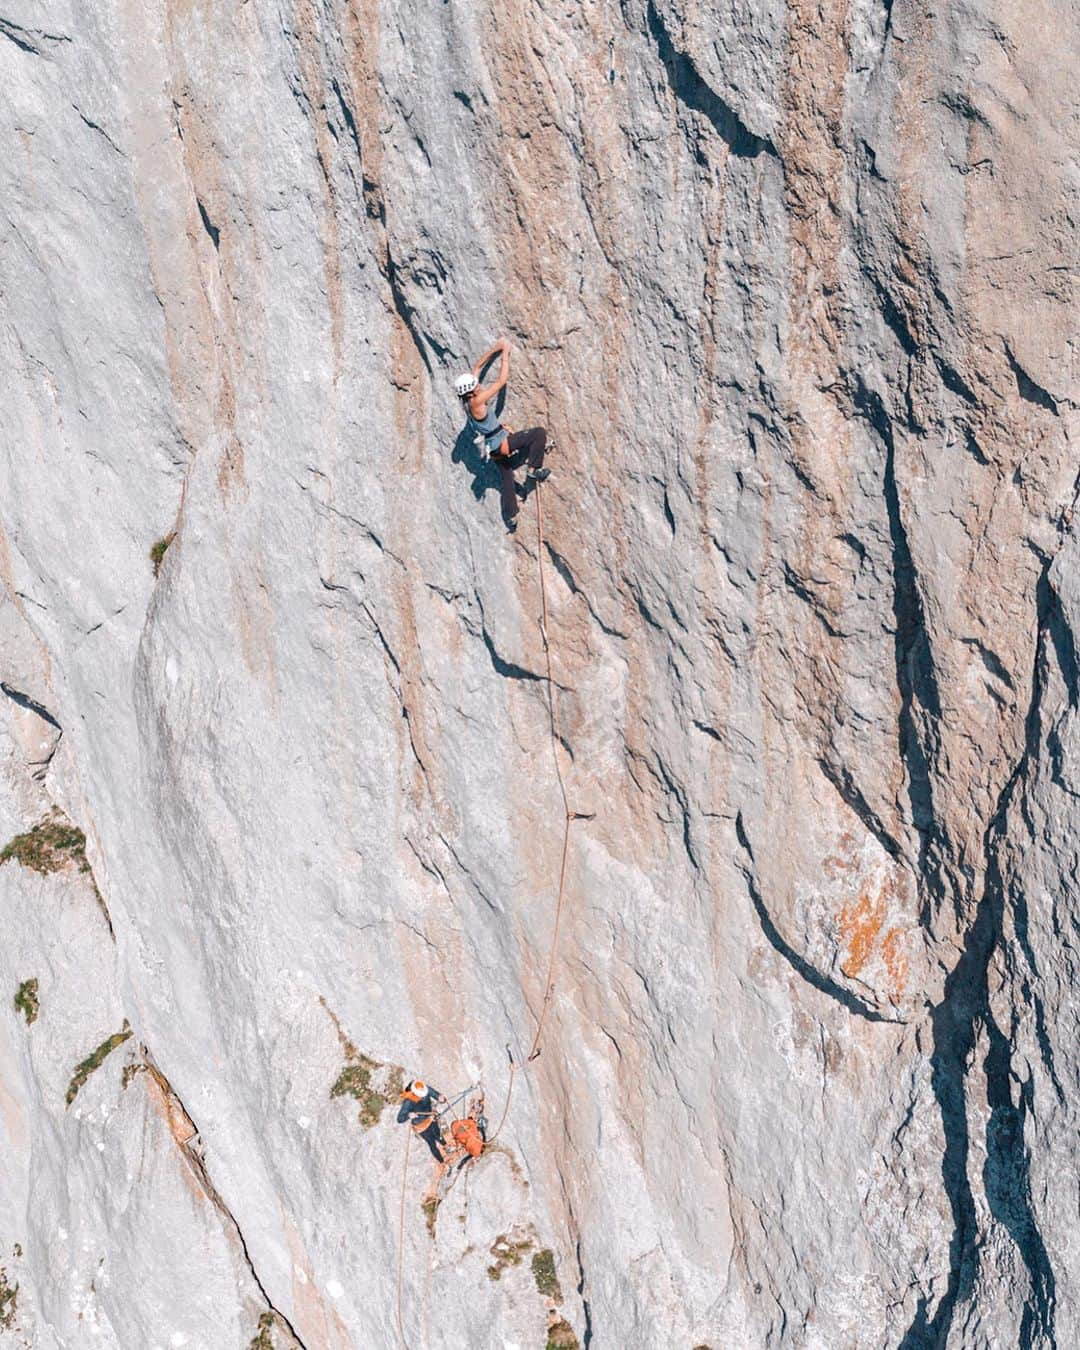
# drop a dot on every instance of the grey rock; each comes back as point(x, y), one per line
point(794, 288)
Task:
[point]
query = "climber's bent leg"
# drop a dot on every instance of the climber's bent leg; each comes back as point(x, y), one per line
point(531, 444)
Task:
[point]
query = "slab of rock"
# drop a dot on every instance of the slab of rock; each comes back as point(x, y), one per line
point(795, 293)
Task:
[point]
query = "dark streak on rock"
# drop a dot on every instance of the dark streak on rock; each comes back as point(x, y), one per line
point(894, 316)
point(697, 94)
point(501, 666)
point(974, 449)
point(377, 628)
point(954, 381)
point(350, 121)
point(1027, 387)
point(564, 570)
point(405, 311)
point(840, 777)
point(916, 676)
point(990, 660)
point(100, 131)
point(25, 701)
point(208, 225)
point(957, 1021)
point(587, 1331)
point(796, 585)
point(677, 791)
point(19, 36)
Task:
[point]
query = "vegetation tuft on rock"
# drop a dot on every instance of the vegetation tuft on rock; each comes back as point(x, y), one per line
point(560, 1336)
point(508, 1250)
point(263, 1340)
point(158, 550)
point(94, 1061)
point(47, 847)
point(26, 1001)
point(370, 1083)
point(543, 1269)
point(8, 1297)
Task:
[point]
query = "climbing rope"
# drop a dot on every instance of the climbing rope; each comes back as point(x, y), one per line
point(447, 1106)
point(570, 816)
point(401, 1239)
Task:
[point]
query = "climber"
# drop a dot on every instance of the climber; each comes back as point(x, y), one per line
point(507, 449)
point(418, 1106)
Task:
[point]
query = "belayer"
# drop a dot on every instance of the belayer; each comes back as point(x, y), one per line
point(507, 449)
point(419, 1107)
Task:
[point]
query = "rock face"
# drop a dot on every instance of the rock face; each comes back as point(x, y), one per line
point(794, 286)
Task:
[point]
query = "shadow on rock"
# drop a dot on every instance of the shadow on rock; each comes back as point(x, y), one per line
point(486, 475)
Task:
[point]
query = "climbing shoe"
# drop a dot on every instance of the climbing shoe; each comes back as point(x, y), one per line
point(539, 475)
point(511, 526)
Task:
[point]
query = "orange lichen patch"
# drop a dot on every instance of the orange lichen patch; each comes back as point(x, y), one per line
point(860, 925)
point(864, 934)
point(896, 962)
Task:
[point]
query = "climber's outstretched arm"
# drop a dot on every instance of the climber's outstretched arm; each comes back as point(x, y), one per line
point(490, 390)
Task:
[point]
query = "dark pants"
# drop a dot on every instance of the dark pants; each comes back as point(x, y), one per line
point(432, 1136)
point(525, 447)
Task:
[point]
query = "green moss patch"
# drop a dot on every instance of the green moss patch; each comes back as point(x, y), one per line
point(48, 847)
point(430, 1206)
point(8, 1298)
point(372, 1084)
point(26, 1001)
point(508, 1249)
point(94, 1061)
point(543, 1269)
point(560, 1336)
point(263, 1340)
point(129, 1072)
point(158, 550)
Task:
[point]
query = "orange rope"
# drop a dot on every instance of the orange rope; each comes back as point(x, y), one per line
point(549, 983)
point(401, 1239)
point(571, 816)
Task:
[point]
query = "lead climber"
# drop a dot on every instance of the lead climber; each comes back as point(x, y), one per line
point(419, 1106)
point(507, 449)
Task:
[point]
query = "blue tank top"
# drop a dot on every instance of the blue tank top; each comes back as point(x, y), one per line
point(489, 427)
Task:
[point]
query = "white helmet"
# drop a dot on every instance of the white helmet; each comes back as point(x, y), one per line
point(465, 384)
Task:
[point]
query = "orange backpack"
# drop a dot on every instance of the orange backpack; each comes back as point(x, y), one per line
point(466, 1134)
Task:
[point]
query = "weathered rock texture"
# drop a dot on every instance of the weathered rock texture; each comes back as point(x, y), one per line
point(794, 286)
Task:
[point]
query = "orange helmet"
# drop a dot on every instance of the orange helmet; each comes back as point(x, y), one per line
point(416, 1091)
